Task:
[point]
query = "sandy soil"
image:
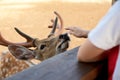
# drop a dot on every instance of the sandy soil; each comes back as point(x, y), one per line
point(33, 18)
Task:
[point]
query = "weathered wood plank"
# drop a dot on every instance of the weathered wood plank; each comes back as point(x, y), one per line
point(61, 67)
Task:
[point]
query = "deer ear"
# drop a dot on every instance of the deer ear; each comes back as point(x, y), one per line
point(21, 52)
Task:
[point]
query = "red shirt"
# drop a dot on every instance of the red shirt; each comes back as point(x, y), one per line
point(112, 58)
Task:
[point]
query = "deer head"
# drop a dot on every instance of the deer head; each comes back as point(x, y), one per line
point(54, 44)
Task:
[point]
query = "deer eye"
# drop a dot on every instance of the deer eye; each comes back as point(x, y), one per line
point(42, 47)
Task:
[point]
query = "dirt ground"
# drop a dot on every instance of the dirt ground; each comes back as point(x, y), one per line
point(33, 18)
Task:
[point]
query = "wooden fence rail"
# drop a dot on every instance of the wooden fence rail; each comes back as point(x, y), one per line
point(64, 66)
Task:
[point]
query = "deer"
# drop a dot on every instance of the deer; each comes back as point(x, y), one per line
point(9, 65)
point(44, 49)
point(33, 48)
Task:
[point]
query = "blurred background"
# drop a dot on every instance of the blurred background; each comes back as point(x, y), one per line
point(33, 17)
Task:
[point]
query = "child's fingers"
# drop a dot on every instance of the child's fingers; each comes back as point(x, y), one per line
point(69, 28)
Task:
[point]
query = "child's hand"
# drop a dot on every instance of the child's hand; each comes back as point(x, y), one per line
point(77, 32)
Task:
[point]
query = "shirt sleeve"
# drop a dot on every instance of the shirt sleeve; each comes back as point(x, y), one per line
point(107, 33)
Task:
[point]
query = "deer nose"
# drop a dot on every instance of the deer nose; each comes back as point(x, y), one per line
point(65, 37)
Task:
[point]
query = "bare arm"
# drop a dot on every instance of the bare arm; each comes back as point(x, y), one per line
point(87, 52)
point(90, 53)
